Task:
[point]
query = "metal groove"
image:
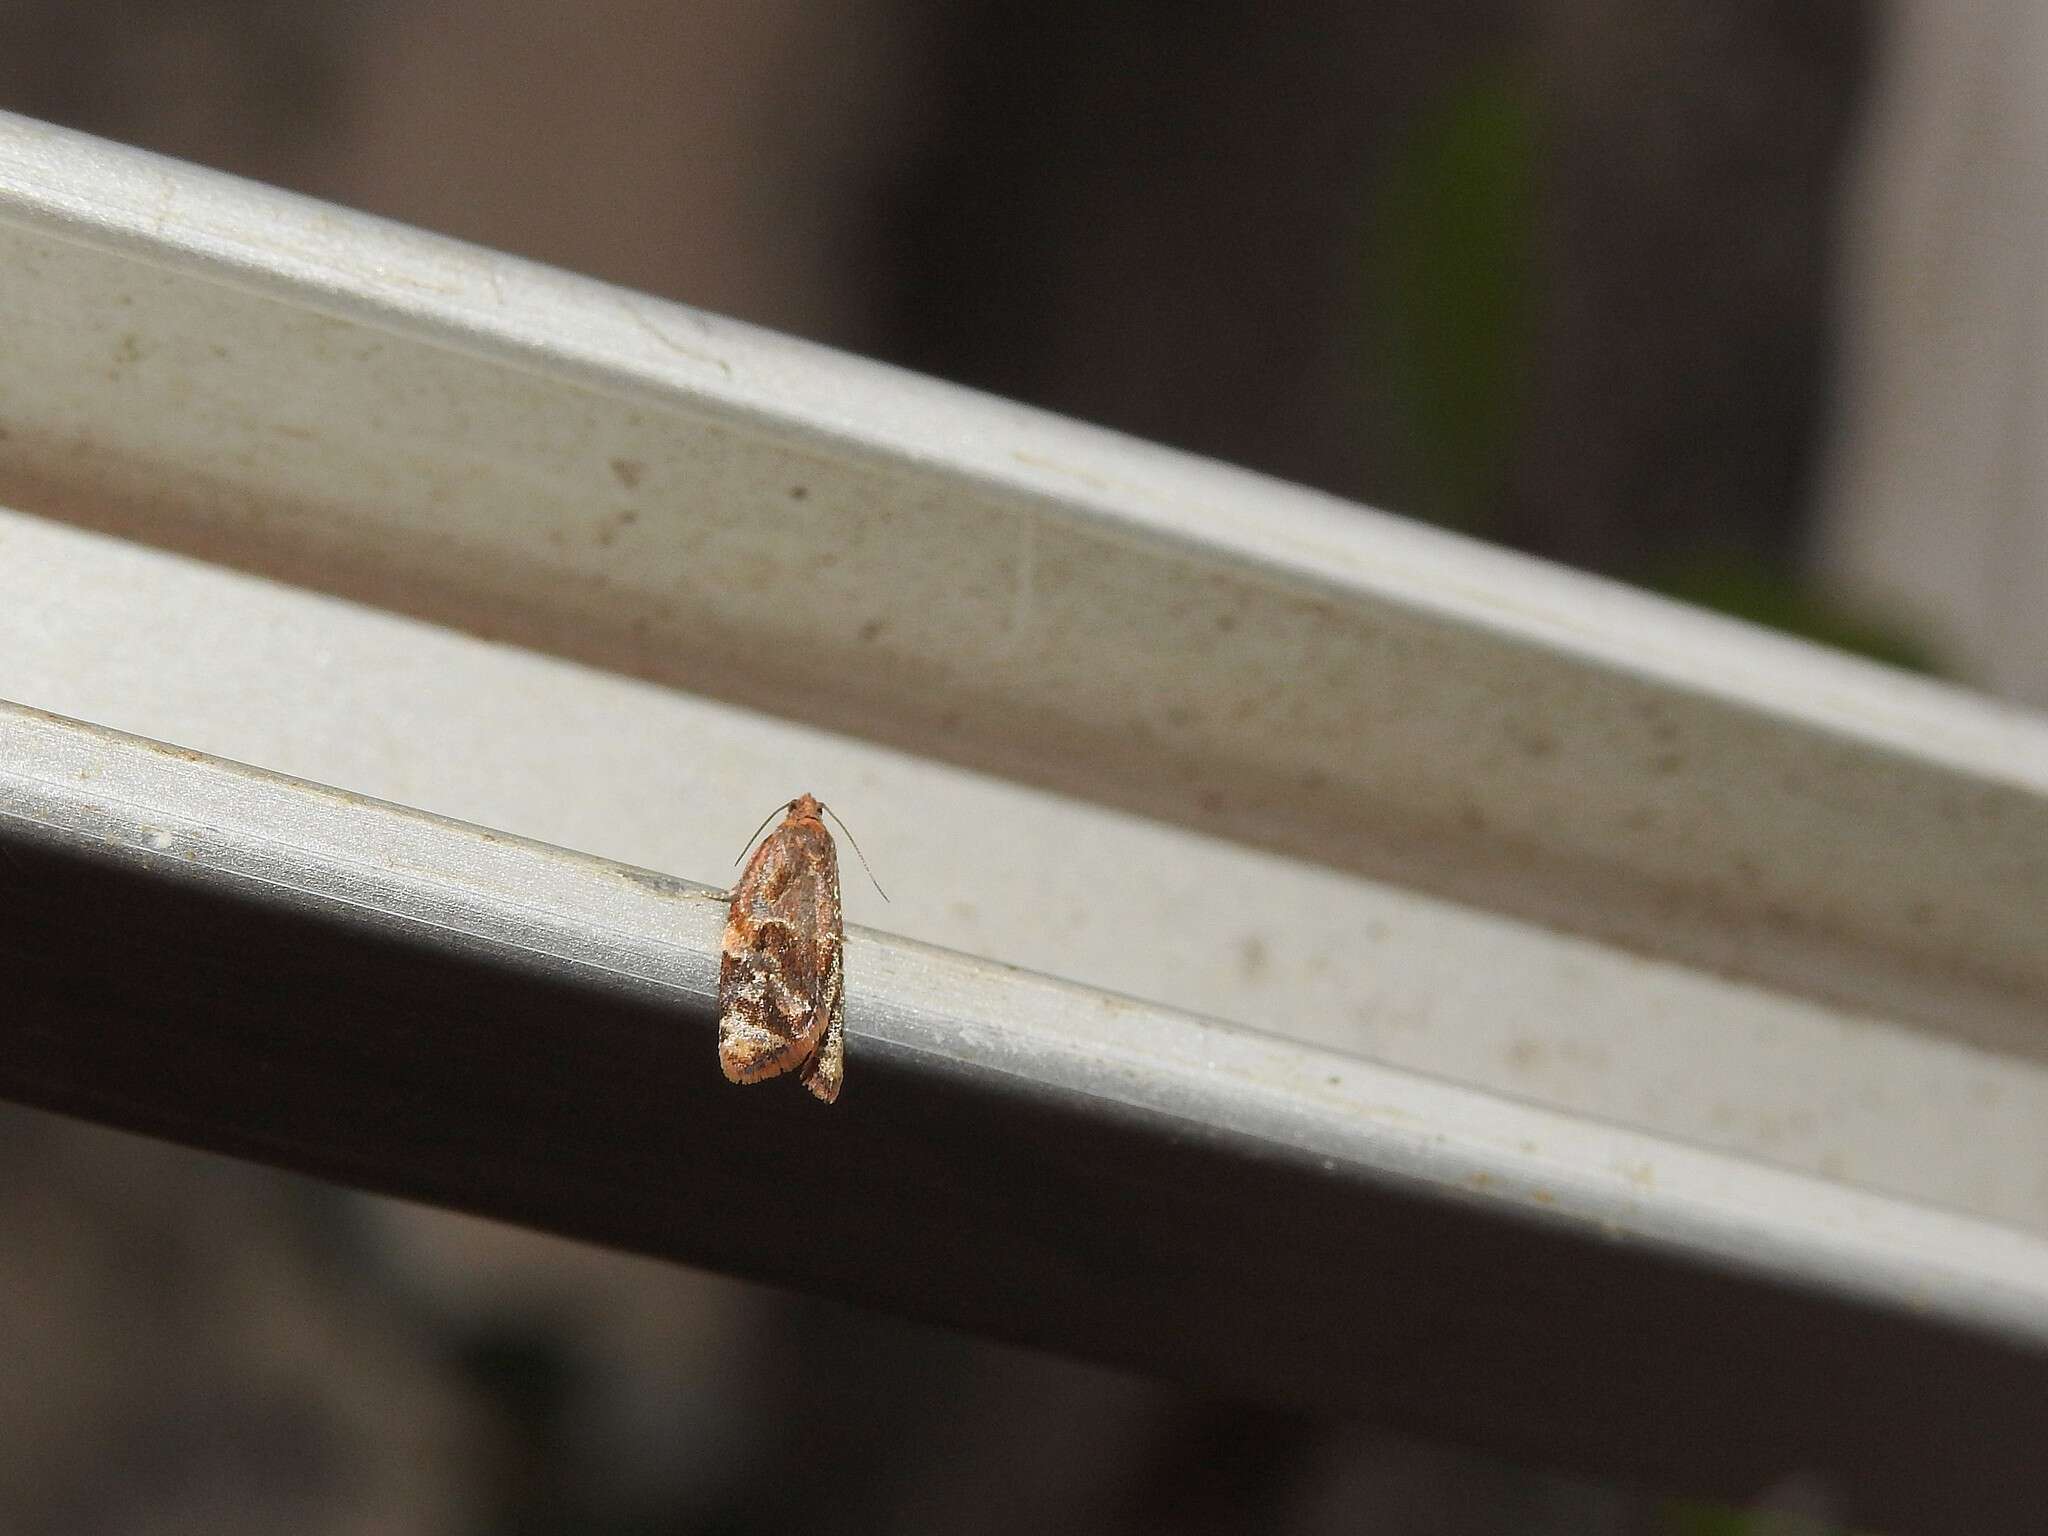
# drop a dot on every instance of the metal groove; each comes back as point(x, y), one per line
point(458, 434)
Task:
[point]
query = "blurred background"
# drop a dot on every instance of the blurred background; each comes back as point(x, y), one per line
point(1734, 301)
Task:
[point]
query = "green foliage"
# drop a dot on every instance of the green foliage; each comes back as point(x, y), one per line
point(1747, 588)
point(1451, 255)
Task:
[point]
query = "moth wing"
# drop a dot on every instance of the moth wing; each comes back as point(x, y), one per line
point(753, 1043)
point(823, 1072)
point(772, 974)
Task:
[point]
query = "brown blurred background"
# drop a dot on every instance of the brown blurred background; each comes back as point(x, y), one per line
point(1564, 276)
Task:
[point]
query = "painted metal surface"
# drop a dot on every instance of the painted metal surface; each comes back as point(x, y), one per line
point(442, 1011)
point(167, 647)
point(288, 387)
point(1574, 907)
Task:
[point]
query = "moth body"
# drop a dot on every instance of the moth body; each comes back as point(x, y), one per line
point(781, 1005)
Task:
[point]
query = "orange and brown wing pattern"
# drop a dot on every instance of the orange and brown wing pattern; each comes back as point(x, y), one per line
point(780, 999)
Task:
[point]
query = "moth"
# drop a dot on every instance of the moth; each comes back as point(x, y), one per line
point(781, 1001)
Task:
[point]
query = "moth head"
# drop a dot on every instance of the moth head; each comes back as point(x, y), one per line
point(806, 808)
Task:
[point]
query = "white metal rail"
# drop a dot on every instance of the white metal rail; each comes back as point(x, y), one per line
point(1695, 895)
point(291, 973)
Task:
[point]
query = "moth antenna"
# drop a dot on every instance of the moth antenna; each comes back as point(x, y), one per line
point(779, 810)
point(856, 848)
